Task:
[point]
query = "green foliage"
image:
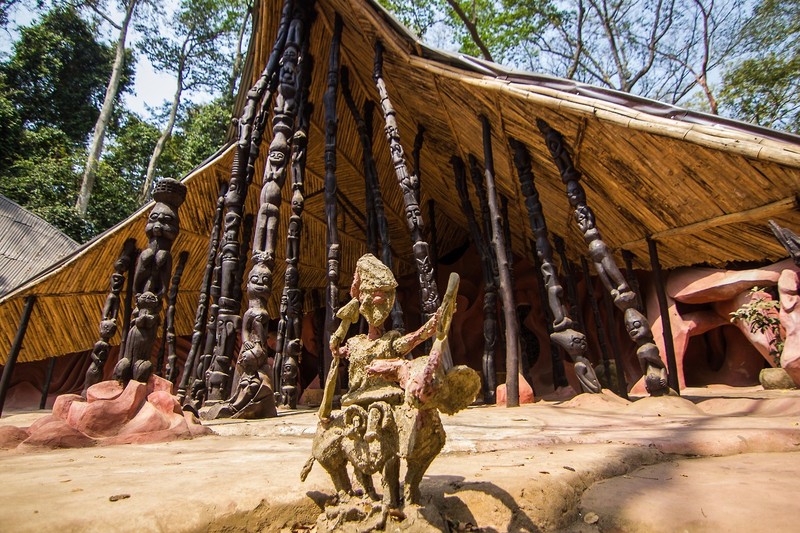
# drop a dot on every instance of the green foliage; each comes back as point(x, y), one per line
point(761, 316)
point(764, 86)
point(59, 71)
point(200, 133)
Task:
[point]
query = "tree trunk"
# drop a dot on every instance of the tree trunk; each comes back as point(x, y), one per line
point(162, 141)
point(89, 173)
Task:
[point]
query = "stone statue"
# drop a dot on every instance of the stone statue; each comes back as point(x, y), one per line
point(151, 280)
point(391, 409)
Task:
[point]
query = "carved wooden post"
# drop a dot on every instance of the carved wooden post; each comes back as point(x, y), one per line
point(663, 308)
point(229, 323)
point(168, 335)
point(556, 360)
point(631, 276)
point(48, 378)
point(373, 191)
point(291, 345)
point(127, 304)
point(16, 346)
point(202, 305)
point(504, 271)
point(489, 284)
point(598, 324)
point(331, 215)
point(569, 277)
point(564, 333)
point(409, 187)
point(108, 320)
point(624, 298)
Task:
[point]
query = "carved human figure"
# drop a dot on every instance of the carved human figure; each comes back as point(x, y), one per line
point(135, 362)
point(253, 396)
point(652, 366)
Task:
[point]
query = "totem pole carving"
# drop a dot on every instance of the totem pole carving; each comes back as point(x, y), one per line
point(201, 315)
point(376, 214)
point(151, 281)
point(409, 186)
point(564, 332)
point(218, 378)
point(607, 270)
point(489, 284)
point(108, 322)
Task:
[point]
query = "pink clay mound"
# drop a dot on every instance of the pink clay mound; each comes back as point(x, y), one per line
point(138, 413)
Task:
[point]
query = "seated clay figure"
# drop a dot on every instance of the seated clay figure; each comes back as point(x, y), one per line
point(253, 397)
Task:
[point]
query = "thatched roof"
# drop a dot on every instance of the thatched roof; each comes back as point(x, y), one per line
point(701, 186)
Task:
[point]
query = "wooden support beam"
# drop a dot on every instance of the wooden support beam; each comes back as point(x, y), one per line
point(504, 271)
point(16, 346)
point(48, 377)
point(669, 344)
point(763, 212)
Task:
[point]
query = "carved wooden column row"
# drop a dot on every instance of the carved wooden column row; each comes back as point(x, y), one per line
point(226, 307)
point(201, 315)
point(168, 335)
point(564, 334)
point(489, 283)
point(108, 320)
point(624, 298)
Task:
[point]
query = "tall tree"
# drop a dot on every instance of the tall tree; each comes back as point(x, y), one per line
point(112, 89)
point(194, 52)
point(764, 85)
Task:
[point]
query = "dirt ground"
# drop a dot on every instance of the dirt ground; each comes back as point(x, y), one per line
point(717, 459)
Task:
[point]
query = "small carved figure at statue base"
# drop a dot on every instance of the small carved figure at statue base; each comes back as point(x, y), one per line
point(391, 410)
point(135, 362)
point(647, 352)
point(253, 397)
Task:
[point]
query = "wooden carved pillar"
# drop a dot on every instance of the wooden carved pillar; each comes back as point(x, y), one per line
point(409, 187)
point(202, 305)
point(489, 284)
point(108, 322)
point(168, 336)
point(226, 308)
point(291, 345)
point(624, 298)
point(564, 334)
point(331, 215)
point(376, 214)
point(504, 272)
point(151, 281)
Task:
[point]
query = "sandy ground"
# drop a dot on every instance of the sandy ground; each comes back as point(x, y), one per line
point(728, 460)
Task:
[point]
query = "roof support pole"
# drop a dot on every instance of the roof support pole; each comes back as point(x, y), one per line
point(108, 320)
point(377, 225)
point(331, 214)
point(504, 272)
point(489, 376)
point(663, 307)
point(286, 365)
point(168, 334)
point(409, 186)
point(201, 315)
point(48, 378)
point(556, 360)
point(564, 330)
point(16, 346)
point(624, 298)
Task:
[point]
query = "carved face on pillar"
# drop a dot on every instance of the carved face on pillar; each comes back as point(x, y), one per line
point(259, 284)
point(162, 222)
point(637, 326)
point(278, 152)
point(575, 193)
point(414, 216)
point(297, 202)
point(585, 219)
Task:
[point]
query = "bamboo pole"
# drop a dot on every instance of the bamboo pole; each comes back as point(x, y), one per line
point(669, 343)
point(16, 346)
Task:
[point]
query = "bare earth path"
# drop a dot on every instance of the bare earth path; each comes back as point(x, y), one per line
point(728, 462)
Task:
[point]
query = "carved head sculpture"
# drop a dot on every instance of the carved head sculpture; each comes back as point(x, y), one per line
point(585, 219)
point(575, 193)
point(637, 326)
point(297, 202)
point(163, 220)
point(108, 328)
point(148, 300)
point(278, 152)
point(259, 284)
point(374, 287)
